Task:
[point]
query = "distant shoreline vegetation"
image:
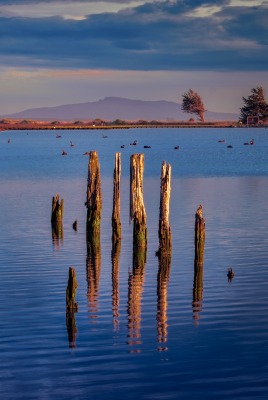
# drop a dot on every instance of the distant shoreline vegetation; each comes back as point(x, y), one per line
point(8, 124)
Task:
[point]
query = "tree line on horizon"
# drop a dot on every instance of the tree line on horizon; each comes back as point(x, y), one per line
point(255, 106)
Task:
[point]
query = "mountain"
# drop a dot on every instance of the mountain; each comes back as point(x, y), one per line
point(112, 108)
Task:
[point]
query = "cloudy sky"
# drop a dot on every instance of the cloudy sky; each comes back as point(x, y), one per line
point(60, 52)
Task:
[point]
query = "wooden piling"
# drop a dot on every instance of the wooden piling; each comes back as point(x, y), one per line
point(137, 208)
point(200, 233)
point(164, 231)
point(116, 223)
point(71, 290)
point(94, 197)
point(57, 209)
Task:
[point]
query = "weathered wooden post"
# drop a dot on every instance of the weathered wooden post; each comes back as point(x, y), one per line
point(116, 223)
point(164, 231)
point(137, 208)
point(57, 210)
point(94, 197)
point(200, 234)
point(71, 307)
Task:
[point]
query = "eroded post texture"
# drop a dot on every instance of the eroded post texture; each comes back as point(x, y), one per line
point(94, 197)
point(137, 208)
point(57, 210)
point(116, 223)
point(200, 234)
point(164, 231)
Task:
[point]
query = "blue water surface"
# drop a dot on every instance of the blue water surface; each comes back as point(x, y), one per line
point(136, 336)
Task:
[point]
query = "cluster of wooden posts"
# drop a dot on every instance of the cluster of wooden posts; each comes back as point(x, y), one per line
point(137, 214)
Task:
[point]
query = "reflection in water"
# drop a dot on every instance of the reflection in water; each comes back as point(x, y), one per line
point(164, 263)
point(57, 234)
point(71, 327)
point(197, 291)
point(93, 273)
point(135, 288)
point(116, 248)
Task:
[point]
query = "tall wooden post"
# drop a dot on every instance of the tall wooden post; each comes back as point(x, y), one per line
point(137, 208)
point(94, 197)
point(200, 234)
point(164, 231)
point(116, 223)
point(71, 307)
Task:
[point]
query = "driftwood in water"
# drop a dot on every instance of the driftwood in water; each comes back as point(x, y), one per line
point(164, 231)
point(137, 208)
point(94, 197)
point(116, 223)
point(200, 234)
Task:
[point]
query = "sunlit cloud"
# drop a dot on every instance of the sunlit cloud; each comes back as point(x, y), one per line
point(76, 10)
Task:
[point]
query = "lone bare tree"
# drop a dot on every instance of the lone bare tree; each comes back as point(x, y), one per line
point(192, 103)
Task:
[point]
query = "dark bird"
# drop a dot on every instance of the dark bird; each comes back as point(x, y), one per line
point(87, 153)
point(104, 136)
point(75, 225)
point(147, 147)
point(251, 142)
point(71, 144)
point(58, 136)
point(221, 141)
point(229, 146)
point(8, 140)
point(123, 146)
point(63, 153)
point(176, 147)
point(134, 143)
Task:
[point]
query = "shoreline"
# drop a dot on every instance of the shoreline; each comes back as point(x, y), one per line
point(71, 126)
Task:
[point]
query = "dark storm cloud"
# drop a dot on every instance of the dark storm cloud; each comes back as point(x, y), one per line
point(154, 36)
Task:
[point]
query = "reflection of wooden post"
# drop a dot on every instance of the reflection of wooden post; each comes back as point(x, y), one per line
point(115, 282)
point(57, 209)
point(200, 233)
point(135, 288)
point(71, 307)
point(93, 275)
point(94, 198)
point(197, 291)
point(164, 231)
point(162, 303)
point(137, 208)
point(116, 223)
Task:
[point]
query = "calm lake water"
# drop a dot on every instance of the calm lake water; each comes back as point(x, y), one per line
point(142, 338)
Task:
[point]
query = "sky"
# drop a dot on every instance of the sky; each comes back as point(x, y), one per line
point(63, 52)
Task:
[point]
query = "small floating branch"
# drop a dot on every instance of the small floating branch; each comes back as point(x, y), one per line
point(137, 208)
point(94, 197)
point(116, 223)
point(200, 234)
point(164, 231)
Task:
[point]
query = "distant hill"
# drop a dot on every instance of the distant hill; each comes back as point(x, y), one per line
point(112, 108)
